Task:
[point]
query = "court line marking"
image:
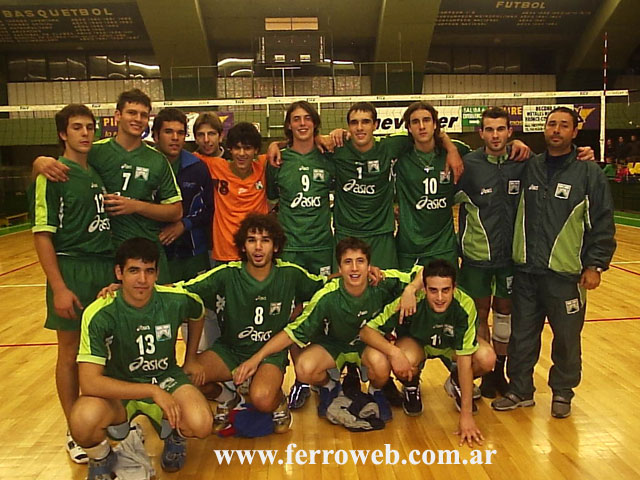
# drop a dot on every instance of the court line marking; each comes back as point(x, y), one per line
point(625, 270)
point(626, 263)
point(19, 268)
point(24, 286)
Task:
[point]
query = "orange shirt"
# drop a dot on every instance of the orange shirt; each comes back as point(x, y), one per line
point(234, 198)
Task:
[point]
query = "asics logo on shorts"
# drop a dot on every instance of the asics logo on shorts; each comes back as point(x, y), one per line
point(149, 365)
point(305, 202)
point(352, 186)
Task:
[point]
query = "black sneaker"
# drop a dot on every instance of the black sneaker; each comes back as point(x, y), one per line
point(298, 395)
point(412, 401)
point(453, 389)
point(392, 394)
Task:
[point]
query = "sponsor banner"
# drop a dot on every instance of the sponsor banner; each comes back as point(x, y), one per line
point(515, 116)
point(108, 127)
point(450, 118)
point(471, 116)
point(533, 116)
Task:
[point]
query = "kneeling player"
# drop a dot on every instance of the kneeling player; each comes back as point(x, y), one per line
point(254, 298)
point(330, 323)
point(444, 325)
point(127, 364)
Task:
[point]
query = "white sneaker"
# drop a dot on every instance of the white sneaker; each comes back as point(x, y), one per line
point(76, 452)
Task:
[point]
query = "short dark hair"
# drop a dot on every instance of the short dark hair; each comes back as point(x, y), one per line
point(420, 105)
point(208, 118)
point(135, 95)
point(574, 115)
point(72, 110)
point(137, 248)
point(258, 222)
point(363, 107)
point(243, 133)
point(169, 114)
point(307, 107)
point(439, 268)
point(352, 243)
point(494, 112)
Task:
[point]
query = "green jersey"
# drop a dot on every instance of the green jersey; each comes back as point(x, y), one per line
point(251, 311)
point(425, 195)
point(143, 174)
point(72, 211)
point(136, 344)
point(452, 331)
point(335, 313)
point(302, 184)
point(364, 187)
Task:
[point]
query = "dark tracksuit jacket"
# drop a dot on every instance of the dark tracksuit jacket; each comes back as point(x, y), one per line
point(488, 193)
point(564, 224)
point(196, 186)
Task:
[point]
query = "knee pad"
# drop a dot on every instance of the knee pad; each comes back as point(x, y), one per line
point(118, 432)
point(501, 327)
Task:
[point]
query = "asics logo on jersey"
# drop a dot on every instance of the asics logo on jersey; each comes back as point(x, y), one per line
point(352, 186)
point(431, 204)
point(100, 224)
point(302, 168)
point(485, 191)
point(305, 202)
point(255, 335)
point(149, 365)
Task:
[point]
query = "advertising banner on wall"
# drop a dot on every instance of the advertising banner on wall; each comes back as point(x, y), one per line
point(588, 113)
point(391, 121)
point(108, 127)
point(471, 116)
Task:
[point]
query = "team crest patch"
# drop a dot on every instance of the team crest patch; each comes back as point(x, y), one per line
point(514, 187)
point(274, 308)
point(572, 306)
point(163, 332)
point(326, 270)
point(445, 177)
point(562, 191)
point(259, 185)
point(141, 172)
point(373, 166)
point(318, 175)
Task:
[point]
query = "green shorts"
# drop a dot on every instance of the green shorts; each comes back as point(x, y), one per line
point(342, 352)
point(84, 276)
point(188, 268)
point(408, 260)
point(383, 249)
point(233, 357)
point(170, 381)
point(484, 282)
point(318, 262)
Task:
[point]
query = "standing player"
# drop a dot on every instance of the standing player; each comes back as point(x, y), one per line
point(143, 192)
point(329, 326)
point(563, 241)
point(127, 364)
point(488, 193)
point(444, 324)
point(187, 240)
point(425, 192)
point(301, 186)
point(72, 238)
point(254, 298)
point(239, 188)
point(208, 131)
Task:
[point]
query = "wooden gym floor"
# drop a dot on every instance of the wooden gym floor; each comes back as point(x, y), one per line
point(599, 439)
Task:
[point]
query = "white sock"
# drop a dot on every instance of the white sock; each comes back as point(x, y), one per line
point(100, 451)
point(225, 395)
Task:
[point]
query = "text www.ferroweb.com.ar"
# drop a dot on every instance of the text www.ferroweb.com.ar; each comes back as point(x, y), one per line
point(386, 456)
